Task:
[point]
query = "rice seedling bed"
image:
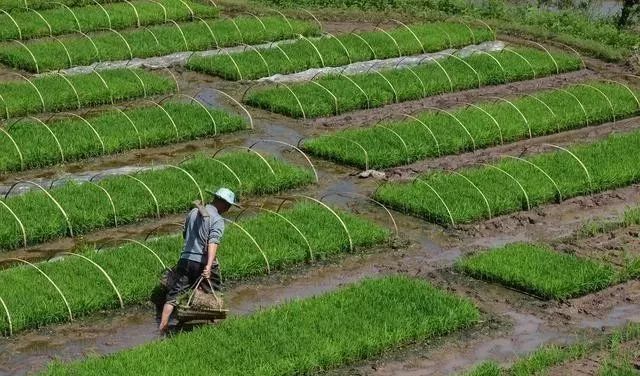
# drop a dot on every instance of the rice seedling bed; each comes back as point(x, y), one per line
point(74, 209)
point(134, 269)
point(539, 270)
point(55, 92)
point(332, 95)
point(30, 23)
point(46, 4)
point(332, 51)
point(512, 184)
point(436, 133)
point(355, 322)
point(30, 144)
point(78, 50)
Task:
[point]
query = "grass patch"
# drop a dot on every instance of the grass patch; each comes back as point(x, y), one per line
point(147, 42)
point(355, 322)
point(88, 207)
point(118, 131)
point(34, 304)
point(539, 270)
point(610, 163)
point(45, 4)
point(332, 52)
point(436, 133)
point(93, 17)
point(401, 85)
point(56, 93)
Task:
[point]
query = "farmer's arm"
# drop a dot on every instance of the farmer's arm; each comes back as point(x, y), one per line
point(215, 235)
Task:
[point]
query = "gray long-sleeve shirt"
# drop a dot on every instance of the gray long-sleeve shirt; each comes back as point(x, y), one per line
point(199, 232)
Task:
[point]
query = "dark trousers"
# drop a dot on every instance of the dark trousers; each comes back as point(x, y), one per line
point(187, 274)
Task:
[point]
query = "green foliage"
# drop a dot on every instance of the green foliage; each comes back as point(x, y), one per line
point(332, 51)
point(52, 93)
point(539, 270)
point(89, 208)
point(487, 368)
point(370, 90)
point(152, 41)
point(32, 301)
point(438, 133)
point(118, 131)
point(46, 4)
point(610, 163)
point(355, 322)
point(61, 20)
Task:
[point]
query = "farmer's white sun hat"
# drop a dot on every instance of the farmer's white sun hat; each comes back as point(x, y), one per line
point(226, 194)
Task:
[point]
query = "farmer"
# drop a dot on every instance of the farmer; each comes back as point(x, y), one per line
point(203, 229)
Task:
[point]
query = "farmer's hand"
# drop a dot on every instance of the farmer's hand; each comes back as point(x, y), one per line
point(206, 273)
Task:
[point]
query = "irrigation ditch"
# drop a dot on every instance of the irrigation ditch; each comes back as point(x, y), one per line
point(512, 324)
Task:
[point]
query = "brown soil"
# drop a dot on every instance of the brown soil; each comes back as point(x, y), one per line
point(591, 365)
point(615, 247)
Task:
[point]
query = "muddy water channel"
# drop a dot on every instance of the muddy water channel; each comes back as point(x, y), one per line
point(513, 324)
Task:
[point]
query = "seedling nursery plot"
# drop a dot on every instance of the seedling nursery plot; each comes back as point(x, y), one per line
point(85, 49)
point(332, 51)
point(440, 132)
point(336, 94)
point(310, 334)
point(46, 4)
point(30, 23)
point(540, 271)
point(56, 92)
point(30, 143)
point(515, 184)
point(74, 209)
point(306, 232)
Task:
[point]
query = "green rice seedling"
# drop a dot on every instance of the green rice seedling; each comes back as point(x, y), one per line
point(487, 368)
point(52, 93)
point(336, 94)
point(356, 322)
point(539, 270)
point(134, 269)
point(29, 144)
point(340, 50)
point(46, 54)
point(512, 184)
point(436, 133)
point(74, 209)
point(46, 4)
point(27, 24)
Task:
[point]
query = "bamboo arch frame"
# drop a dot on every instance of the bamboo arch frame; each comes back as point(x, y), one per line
point(277, 46)
point(6, 310)
point(526, 195)
point(448, 113)
point(202, 106)
point(358, 87)
point(213, 35)
point(333, 96)
point(33, 57)
point(146, 247)
point(264, 61)
point(458, 21)
point(484, 197)
point(105, 11)
point(113, 285)
point(393, 40)
point(15, 144)
point(146, 187)
point(314, 47)
point(173, 123)
point(235, 64)
point(523, 58)
point(50, 281)
point(42, 18)
point(190, 178)
point(230, 170)
point(113, 205)
point(360, 195)
point(425, 126)
point(549, 54)
point(327, 207)
point(91, 127)
point(412, 33)
point(20, 224)
point(539, 169)
point(304, 115)
point(72, 13)
point(504, 72)
point(237, 103)
point(123, 39)
point(284, 17)
point(442, 69)
point(70, 84)
point(628, 89)
point(14, 22)
point(248, 150)
point(104, 83)
point(344, 48)
point(40, 122)
point(137, 76)
point(545, 105)
point(526, 121)
point(404, 144)
point(468, 65)
point(419, 180)
point(586, 171)
point(237, 28)
point(395, 93)
point(253, 240)
point(493, 119)
point(264, 27)
point(613, 111)
point(57, 204)
point(184, 38)
point(373, 52)
point(95, 47)
point(6, 108)
point(44, 107)
point(313, 168)
point(584, 110)
point(135, 11)
point(446, 34)
point(366, 154)
point(314, 17)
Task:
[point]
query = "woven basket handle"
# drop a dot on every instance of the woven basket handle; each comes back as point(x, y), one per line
point(197, 285)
